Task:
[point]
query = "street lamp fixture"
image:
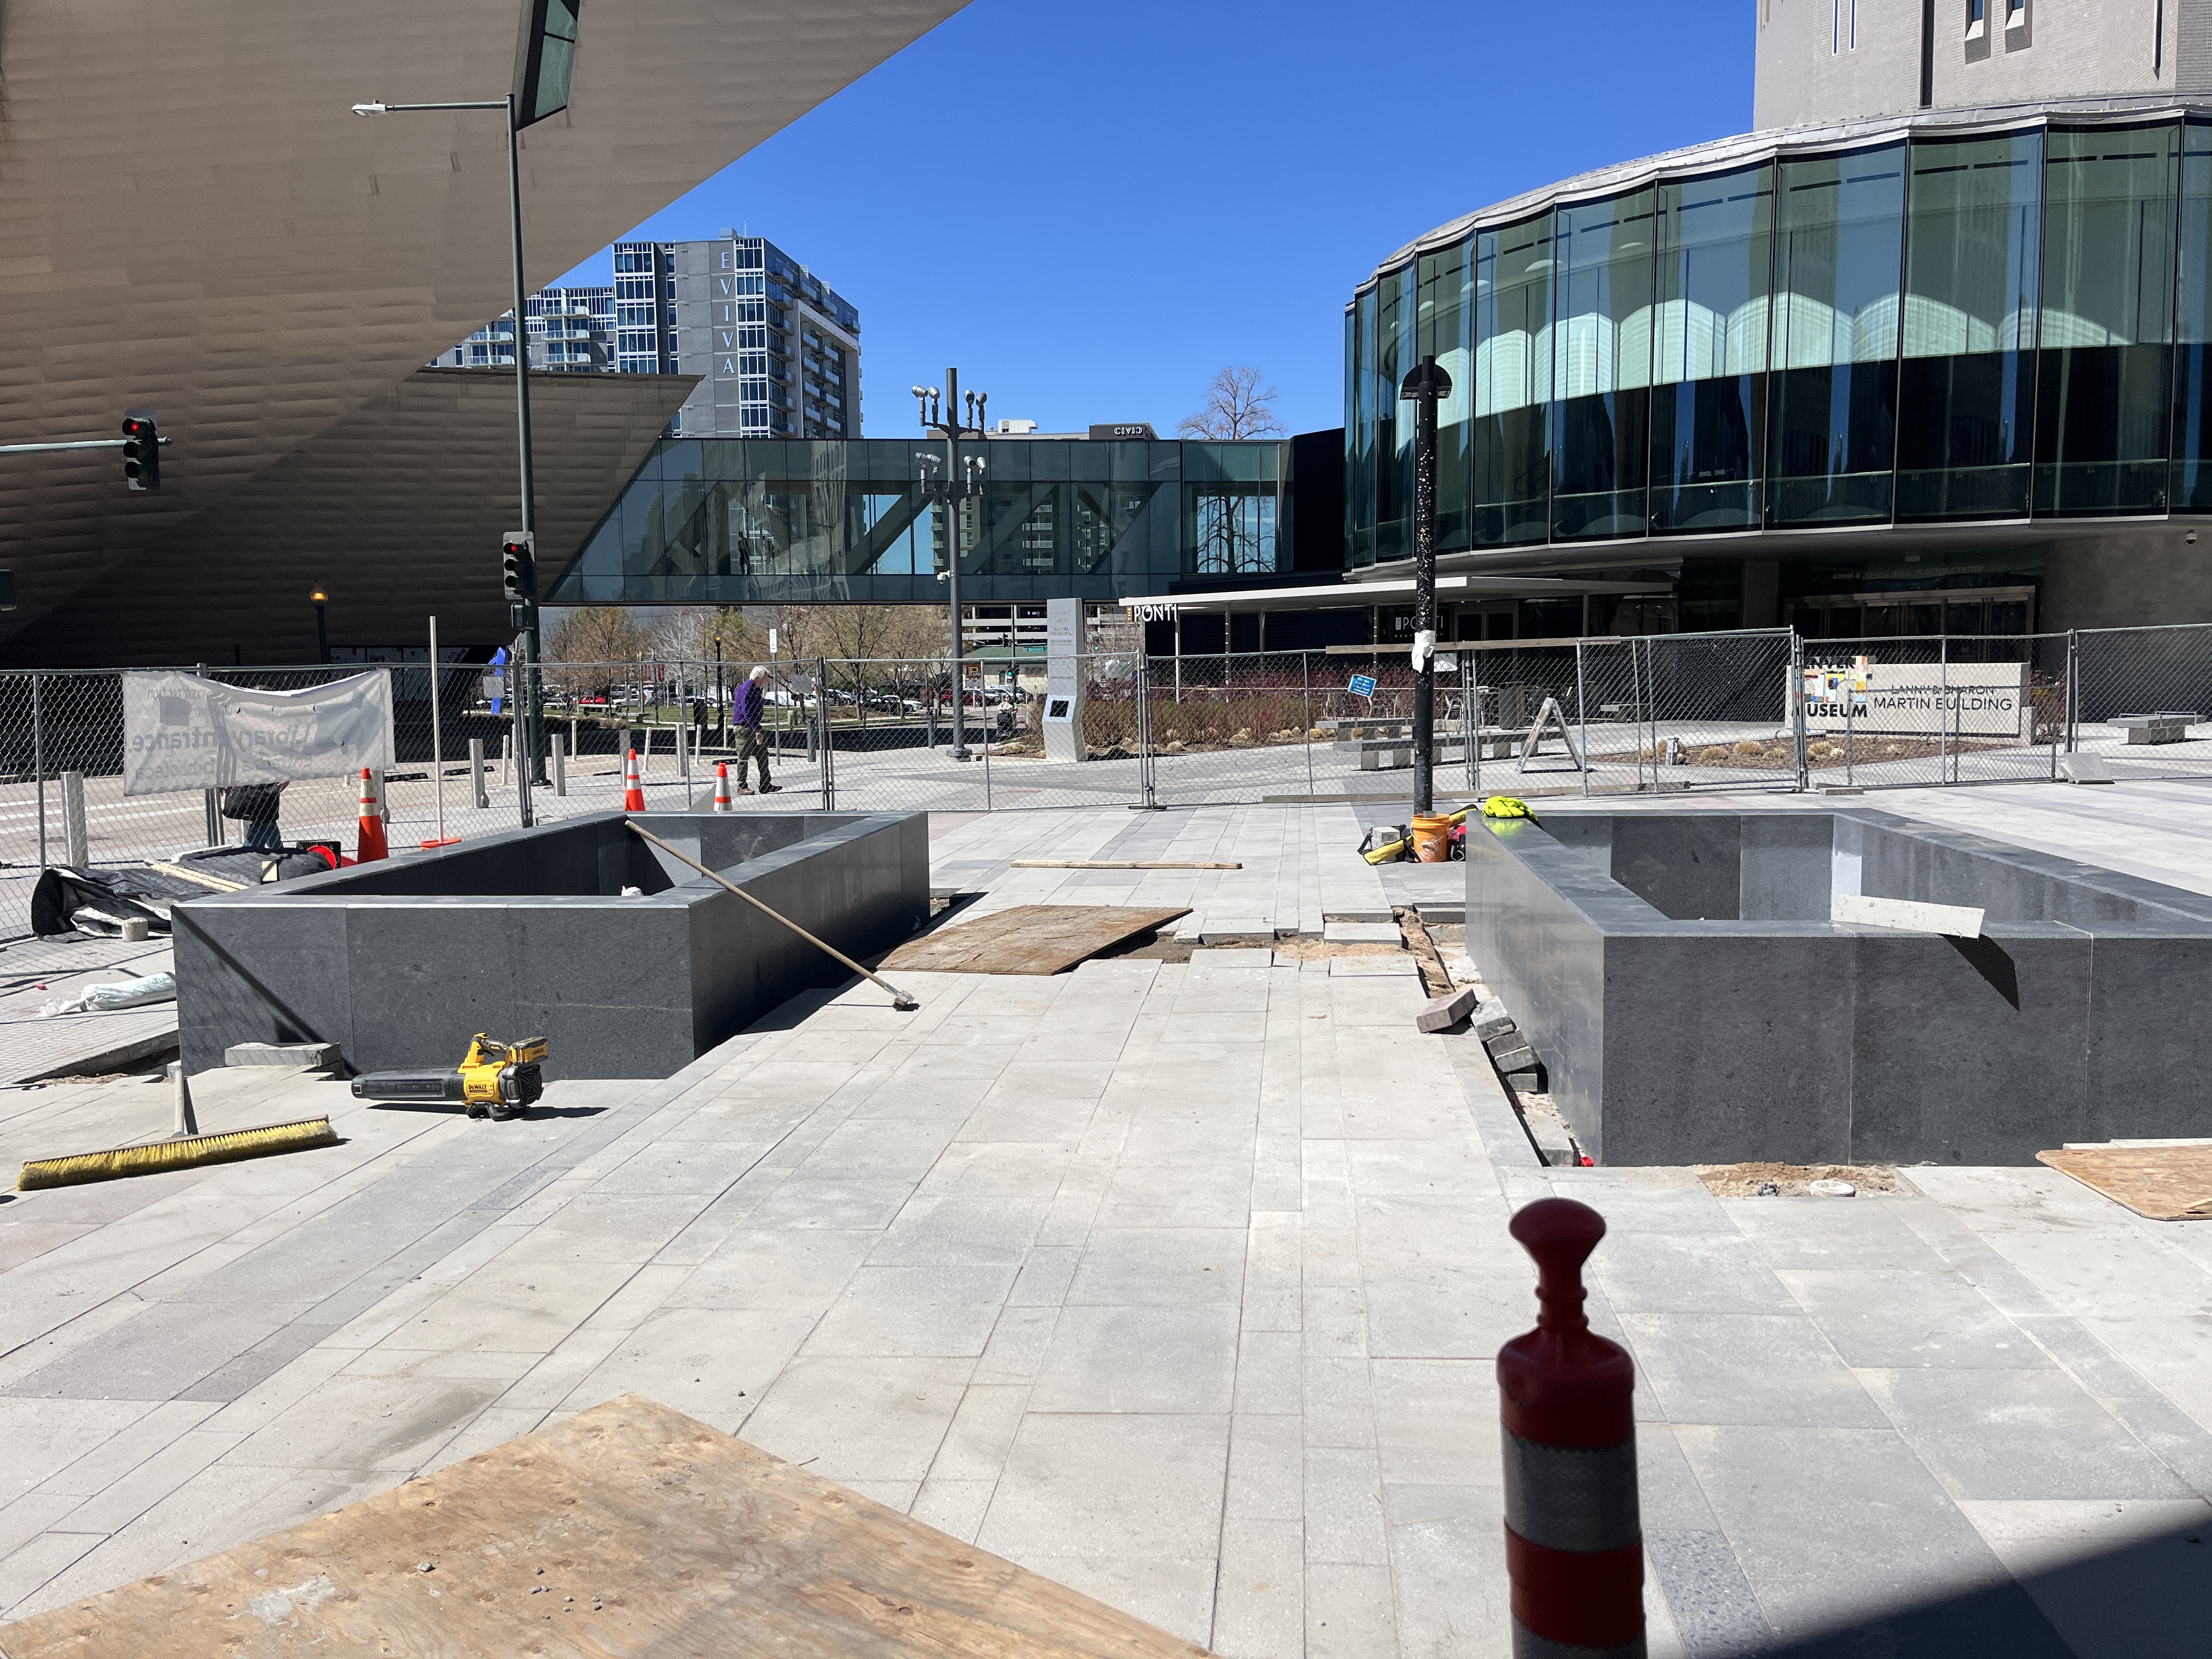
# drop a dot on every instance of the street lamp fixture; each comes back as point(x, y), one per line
point(530, 704)
point(319, 599)
point(949, 494)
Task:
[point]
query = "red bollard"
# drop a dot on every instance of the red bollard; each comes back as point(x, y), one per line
point(1574, 1542)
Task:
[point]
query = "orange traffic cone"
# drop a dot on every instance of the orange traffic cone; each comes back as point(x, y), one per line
point(633, 785)
point(722, 787)
point(371, 845)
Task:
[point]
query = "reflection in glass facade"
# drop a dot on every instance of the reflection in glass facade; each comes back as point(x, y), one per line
point(1936, 327)
point(745, 521)
point(1709, 351)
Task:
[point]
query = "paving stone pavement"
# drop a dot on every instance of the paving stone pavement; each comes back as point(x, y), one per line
point(1180, 1283)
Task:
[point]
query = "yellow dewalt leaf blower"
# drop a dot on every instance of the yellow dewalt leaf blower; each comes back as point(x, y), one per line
point(494, 1080)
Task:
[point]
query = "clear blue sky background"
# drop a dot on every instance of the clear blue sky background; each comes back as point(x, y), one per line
point(1092, 207)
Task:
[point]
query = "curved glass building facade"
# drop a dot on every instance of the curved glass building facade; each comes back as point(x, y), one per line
point(1902, 326)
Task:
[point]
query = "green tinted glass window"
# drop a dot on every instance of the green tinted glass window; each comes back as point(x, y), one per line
point(548, 55)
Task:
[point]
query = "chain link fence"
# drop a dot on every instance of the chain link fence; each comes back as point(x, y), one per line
point(1747, 710)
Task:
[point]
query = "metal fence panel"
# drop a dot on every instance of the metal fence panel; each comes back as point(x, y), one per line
point(1752, 709)
point(2126, 674)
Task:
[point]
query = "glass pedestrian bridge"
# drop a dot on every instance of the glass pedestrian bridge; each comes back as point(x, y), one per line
point(764, 521)
point(1961, 317)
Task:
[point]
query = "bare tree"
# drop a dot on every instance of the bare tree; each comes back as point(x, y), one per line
point(593, 649)
point(1237, 406)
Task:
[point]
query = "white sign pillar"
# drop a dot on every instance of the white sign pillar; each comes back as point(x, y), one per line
point(1066, 680)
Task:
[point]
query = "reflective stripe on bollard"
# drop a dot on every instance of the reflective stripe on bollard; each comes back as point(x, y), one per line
point(1574, 1541)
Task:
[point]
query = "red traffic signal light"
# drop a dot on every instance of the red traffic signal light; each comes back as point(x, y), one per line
point(141, 450)
point(517, 564)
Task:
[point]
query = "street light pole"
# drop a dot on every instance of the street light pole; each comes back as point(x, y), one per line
point(319, 599)
point(529, 707)
point(1426, 386)
point(961, 483)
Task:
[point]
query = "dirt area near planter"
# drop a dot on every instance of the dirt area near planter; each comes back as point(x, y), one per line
point(1822, 754)
point(1791, 1180)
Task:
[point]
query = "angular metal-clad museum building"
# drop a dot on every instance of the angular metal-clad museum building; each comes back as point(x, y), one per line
point(192, 222)
point(1927, 353)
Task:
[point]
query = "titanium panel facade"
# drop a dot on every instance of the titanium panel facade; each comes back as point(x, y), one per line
point(192, 222)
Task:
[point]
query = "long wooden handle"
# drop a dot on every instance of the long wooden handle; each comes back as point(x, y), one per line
point(900, 1000)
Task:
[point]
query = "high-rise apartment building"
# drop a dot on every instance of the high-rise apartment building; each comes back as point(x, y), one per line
point(572, 330)
point(776, 348)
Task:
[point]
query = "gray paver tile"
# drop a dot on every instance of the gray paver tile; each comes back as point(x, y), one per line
point(1765, 1369)
point(861, 1419)
point(715, 1364)
point(2117, 1580)
point(1882, 1536)
point(1160, 1266)
point(1143, 1359)
point(1448, 1569)
point(1993, 1435)
point(1259, 1610)
point(1879, 1318)
point(1350, 1611)
point(1125, 1485)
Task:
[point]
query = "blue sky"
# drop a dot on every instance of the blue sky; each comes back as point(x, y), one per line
point(1145, 191)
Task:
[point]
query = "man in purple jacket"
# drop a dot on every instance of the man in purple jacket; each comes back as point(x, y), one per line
point(748, 704)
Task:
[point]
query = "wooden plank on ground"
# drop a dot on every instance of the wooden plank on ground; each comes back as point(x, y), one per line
point(2162, 1183)
point(1027, 939)
point(628, 1528)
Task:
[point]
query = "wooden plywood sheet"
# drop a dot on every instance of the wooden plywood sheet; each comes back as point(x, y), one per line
point(1028, 938)
point(629, 1529)
point(2163, 1183)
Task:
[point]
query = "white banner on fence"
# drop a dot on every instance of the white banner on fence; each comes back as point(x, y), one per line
point(180, 731)
point(1986, 699)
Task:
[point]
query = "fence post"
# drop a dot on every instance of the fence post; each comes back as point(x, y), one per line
point(821, 712)
point(2073, 688)
point(1305, 691)
point(75, 853)
point(477, 798)
point(1797, 708)
point(39, 758)
point(1581, 714)
point(1943, 709)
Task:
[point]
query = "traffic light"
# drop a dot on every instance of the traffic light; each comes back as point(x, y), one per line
point(141, 450)
point(518, 558)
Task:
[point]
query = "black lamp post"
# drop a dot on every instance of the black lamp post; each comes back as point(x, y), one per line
point(529, 698)
point(319, 598)
point(1426, 386)
point(959, 484)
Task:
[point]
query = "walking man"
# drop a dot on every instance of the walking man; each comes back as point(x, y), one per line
point(749, 702)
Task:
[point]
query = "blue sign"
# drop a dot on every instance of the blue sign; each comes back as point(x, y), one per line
point(1363, 685)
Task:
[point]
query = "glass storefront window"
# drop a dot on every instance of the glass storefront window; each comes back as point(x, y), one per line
point(1394, 424)
point(1966, 399)
point(2102, 398)
point(1447, 322)
point(1708, 368)
point(1358, 548)
point(1839, 230)
point(2192, 391)
point(1512, 380)
point(1601, 368)
point(1361, 481)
